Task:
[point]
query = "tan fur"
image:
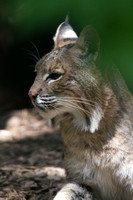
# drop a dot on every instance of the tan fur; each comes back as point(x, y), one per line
point(95, 119)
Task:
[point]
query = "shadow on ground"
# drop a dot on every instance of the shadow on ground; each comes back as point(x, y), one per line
point(31, 166)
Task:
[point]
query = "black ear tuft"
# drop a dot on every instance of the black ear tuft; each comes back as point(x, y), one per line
point(64, 35)
point(66, 20)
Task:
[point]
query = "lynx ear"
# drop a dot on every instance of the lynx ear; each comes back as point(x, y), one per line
point(64, 35)
point(88, 43)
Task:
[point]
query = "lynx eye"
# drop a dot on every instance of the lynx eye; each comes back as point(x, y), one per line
point(53, 76)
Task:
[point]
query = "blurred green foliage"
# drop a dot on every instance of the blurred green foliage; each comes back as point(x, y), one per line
point(113, 20)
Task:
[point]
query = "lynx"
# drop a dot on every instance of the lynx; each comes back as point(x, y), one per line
point(95, 117)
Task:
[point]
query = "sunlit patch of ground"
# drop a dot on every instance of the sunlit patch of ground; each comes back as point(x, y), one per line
point(31, 166)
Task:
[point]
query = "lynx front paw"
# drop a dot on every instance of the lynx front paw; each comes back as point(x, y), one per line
point(73, 191)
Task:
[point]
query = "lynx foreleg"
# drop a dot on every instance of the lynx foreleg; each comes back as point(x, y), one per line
point(73, 191)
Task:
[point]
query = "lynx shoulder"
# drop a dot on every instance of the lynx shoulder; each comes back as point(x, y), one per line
point(95, 117)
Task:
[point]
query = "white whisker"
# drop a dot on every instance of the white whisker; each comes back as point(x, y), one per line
point(30, 53)
point(82, 100)
point(78, 101)
point(73, 106)
point(38, 55)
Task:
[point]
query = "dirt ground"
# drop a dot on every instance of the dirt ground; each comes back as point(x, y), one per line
point(31, 157)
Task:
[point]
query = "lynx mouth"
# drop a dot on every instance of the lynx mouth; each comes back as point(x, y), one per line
point(44, 108)
point(45, 103)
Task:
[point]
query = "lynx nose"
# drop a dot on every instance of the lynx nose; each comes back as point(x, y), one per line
point(32, 95)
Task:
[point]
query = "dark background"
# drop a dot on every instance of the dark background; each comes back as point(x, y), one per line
point(25, 24)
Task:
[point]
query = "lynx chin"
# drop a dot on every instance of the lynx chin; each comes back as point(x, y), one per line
point(95, 117)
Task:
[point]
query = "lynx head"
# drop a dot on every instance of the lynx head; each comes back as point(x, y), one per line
point(66, 80)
